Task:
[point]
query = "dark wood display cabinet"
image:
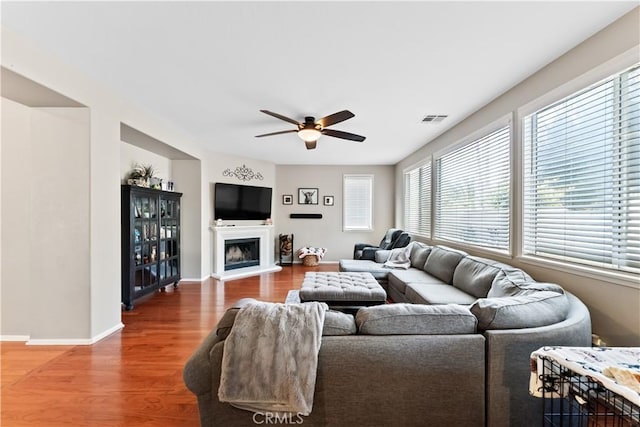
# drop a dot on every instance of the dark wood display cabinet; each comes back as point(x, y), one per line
point(150, 241)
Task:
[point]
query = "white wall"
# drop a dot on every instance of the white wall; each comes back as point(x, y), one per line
point(614, 304)
point(327, 232)
point(16, 220)
point(106, 164)
point(92, 309)
point(47, 233)
point(187, 175)
point(60, 223)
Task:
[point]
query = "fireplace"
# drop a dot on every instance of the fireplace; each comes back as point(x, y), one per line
point(241, 253)
point(227, 264)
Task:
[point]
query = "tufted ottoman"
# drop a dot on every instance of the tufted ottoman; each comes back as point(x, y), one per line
point(342, 289)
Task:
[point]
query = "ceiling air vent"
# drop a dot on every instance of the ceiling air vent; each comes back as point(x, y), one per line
point(434, 118)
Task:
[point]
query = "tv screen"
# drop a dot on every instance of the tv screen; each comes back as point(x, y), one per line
point(238, 202)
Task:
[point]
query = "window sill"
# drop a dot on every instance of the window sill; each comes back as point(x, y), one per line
point(619, 278)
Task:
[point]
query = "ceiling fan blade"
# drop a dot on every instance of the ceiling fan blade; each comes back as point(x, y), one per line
point(281, 117)
point(343, 135)
point(311, 145)
point(277, 133)
point(334, 118)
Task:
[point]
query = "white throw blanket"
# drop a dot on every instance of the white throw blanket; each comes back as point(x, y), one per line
point(270, 357)
point(399, 258)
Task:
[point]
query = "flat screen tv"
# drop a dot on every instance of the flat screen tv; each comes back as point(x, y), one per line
point(241, 202)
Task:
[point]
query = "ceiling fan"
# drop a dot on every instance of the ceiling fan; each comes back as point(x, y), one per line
point(312, 129)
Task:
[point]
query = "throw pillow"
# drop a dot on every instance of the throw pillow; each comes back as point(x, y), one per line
point(524, 311)
point(508, 282)
point(415, 319)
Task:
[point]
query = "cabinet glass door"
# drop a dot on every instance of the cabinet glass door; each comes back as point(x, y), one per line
point(145, 238)
point(169, 238)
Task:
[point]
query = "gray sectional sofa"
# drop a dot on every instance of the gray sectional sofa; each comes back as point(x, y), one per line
point(453, 349)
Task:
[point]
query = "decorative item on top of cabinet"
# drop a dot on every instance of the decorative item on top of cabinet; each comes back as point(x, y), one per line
point(141, 175)
point(150, 222)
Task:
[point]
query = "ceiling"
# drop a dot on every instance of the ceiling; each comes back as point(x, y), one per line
point(209, 67)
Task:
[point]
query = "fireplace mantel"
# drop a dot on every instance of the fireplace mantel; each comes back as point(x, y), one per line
point(267, 245)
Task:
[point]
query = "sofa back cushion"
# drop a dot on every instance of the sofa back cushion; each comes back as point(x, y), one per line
point(415, 319)
point(419, 254)
point(229, 317)
point(523, 311)
point(335, 322)
point(442, 262)
point(474, 276)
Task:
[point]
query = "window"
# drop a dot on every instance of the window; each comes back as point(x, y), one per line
point(417, 200)
point(473, 192)
point(582, 176)
point(358, 202)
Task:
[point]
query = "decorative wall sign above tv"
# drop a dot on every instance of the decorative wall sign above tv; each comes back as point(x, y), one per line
point(307, 196)
point(328, 200)
point(243, 173)
point(287, 199)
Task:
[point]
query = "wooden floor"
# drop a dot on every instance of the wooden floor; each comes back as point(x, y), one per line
point(133, 377)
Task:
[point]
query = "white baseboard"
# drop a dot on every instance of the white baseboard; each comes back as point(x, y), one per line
point(8, 338)
point(193, 280)
point(76, 341)
point(245, 272)
point(108, 332)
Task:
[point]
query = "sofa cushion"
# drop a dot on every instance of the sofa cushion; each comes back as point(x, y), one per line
point(415, 319)
point(360, 266)
point(419, 254)
point(475, 275)
point(523, 311)
point(426, 293)
point(400, 278)
point(442, 262)
point(338, 323)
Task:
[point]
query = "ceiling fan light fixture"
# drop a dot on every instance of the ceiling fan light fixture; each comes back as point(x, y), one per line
point(309, 135)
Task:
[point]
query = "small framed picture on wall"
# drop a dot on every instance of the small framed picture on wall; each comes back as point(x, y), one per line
point(328, 200)
point(287, 199)
point(307, 196)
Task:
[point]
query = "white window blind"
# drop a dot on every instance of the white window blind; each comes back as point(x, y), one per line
point(473, 192)
point(358, 202)
point(582, 176)
point(417, 200)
